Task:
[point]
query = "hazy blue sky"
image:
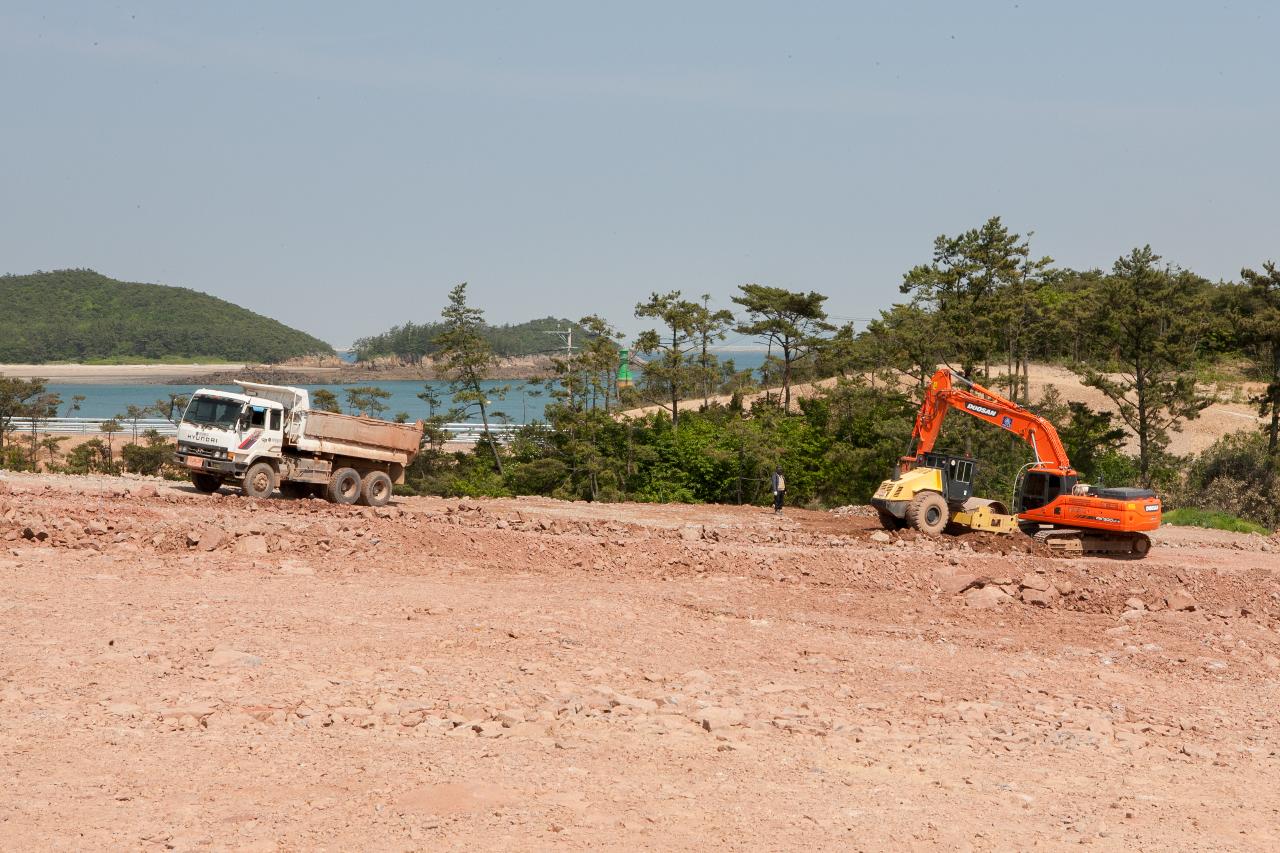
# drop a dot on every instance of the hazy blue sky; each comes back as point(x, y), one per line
point(339, 166)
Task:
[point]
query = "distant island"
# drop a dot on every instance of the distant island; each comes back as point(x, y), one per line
point(414, 343)
point(84, 316)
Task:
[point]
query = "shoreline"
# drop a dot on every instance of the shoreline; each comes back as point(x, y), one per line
point(525, 368)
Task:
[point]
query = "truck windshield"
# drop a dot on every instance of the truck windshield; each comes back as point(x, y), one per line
point(213, 412)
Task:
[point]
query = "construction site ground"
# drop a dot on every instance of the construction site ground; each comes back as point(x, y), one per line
point(194, 672)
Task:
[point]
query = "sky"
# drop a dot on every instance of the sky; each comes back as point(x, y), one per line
point(340, 166)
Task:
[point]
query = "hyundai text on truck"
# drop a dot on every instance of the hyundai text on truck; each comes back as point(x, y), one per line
point(269, 437)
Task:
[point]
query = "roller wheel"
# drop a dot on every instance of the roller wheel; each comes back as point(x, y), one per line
point(928, 513)
point(375, 489)
point(206, 483)
point(259, 481)
point(344, 486)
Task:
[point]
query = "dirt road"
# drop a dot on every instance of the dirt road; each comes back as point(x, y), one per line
point(186, 672)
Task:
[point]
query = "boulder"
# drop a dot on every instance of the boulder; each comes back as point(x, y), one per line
point(1180, 599)
point(1037, 582)
point(986, 597)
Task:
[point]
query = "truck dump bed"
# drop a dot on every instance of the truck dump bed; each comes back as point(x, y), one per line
point(363, 438)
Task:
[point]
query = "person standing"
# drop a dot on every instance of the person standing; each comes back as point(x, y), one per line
point(779, 489)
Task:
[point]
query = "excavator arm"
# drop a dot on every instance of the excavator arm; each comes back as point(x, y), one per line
point(949, 390)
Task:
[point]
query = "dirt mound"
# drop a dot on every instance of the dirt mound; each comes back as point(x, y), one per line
point(535, 673)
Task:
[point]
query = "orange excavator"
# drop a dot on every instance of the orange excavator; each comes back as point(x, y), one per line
point(933, 492)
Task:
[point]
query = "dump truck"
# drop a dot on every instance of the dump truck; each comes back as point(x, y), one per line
point(269, 437)
point(933, 492)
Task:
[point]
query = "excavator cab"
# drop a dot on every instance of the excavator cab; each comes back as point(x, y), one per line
point(1040, 488)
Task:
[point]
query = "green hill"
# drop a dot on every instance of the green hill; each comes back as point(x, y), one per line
point(412, 341)
point(80, 315)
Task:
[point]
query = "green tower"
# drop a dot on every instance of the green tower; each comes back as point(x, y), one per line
point(624, 368)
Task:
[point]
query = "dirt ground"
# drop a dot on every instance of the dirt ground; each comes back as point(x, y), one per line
point(190, 672)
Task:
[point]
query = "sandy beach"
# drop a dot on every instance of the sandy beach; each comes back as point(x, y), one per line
point(522, 367)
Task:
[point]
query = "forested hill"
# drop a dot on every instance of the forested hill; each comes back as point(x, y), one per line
point(80, 315)
point(412, 341)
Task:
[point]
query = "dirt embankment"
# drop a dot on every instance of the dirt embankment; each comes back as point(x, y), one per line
point(189, 672)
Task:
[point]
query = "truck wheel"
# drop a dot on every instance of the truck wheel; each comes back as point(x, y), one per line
point(344, 486)
point(206, 483)
point(928, 513)
point(375, 489)
point(259, 480)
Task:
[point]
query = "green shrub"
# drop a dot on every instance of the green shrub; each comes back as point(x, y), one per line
point(1193, 517)
point(1234, 476)
point(145, 459)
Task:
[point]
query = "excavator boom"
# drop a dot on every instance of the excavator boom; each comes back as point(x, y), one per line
point(949, 390)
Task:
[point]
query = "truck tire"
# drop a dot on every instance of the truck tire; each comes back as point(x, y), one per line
point(928, 513)
point(344, 486)
point(259, 481)
point(375, 489)
point(205, 483)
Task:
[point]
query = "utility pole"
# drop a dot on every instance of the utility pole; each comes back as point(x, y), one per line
point(566, 335)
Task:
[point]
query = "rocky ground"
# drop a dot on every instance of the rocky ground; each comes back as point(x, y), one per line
point(189, 672)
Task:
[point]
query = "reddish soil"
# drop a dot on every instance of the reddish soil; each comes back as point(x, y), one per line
point(189, 672)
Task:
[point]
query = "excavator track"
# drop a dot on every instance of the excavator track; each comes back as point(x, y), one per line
point(1085, 543)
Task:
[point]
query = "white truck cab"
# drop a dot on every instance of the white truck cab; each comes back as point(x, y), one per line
point(269, 436)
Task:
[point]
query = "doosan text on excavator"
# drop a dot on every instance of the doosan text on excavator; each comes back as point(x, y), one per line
point(933, 492)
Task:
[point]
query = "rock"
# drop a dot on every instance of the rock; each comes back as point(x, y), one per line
point(227, 656)
point(95, 528)
point(954, 581)
point(1134, 603)
point(986, 597)
point(1040, 597)
point(714, 719)
point(1180, 600)
point(1064, 586)
point(1039, 583)
point(206, 539)
point(251, 546)
point(691, 533)
point(646, 706)
point(1271, 662)
point(881, 537)
point(1195, 750)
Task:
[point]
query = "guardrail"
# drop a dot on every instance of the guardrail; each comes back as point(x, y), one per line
point(92, 426)
point(461, 433)
point(468, 433)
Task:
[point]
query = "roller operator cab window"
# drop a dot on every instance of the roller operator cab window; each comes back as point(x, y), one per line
point(213, 412)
